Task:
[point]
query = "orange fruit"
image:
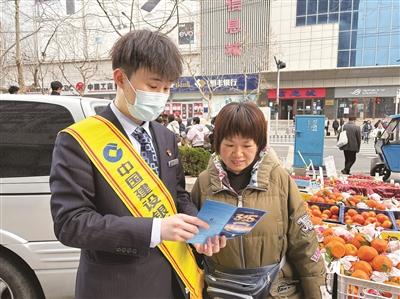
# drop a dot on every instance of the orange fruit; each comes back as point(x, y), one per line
point(316, 212)
point(327, 212)
point(348, 221)
point(371, 203)
point(367, 253)
point(382, 217)
point(382, 263)
point(329, 239)
point(380, 245)
point(364, 266)
point(327, 232)
point(359, 240)
point(334, 217)
point(352, 290)
point(334, 210)
point(387, 224)
point(360, 274)
point(336, 249)
point(352, 212)
point(371, 214)
point(365, 215)
point(380, 206)
point(358, 219)
point(350, 249)
point(316, 220)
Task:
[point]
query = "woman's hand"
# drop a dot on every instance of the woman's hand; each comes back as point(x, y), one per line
point(213, 245)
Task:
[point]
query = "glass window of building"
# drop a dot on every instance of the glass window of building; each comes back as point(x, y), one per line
point(369, 28)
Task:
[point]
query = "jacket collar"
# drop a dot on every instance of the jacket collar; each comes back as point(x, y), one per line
point(159, 137)
point(260, 174)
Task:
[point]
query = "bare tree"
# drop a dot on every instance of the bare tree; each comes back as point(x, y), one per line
point(18, 59)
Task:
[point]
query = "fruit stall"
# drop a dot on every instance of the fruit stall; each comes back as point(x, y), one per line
point(357, 221)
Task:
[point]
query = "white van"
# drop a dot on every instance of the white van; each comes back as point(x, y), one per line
point(33, 264)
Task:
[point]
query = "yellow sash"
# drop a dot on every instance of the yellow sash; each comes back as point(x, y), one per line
point(139, 188)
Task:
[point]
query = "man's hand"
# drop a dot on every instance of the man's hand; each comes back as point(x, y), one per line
point(181, 227)
point(213, 245)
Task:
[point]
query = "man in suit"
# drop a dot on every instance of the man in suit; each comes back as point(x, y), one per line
point(119, 257)
point(352, 147)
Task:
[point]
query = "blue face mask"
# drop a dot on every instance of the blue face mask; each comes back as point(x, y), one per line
point(148, 105)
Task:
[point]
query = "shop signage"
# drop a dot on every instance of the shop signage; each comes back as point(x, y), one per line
point(329, 102)
point(101, 87)
point(218, 84)
point(366, 92)
point(297, 93)
point(186, 33)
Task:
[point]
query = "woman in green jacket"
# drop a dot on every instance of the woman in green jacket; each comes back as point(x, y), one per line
point(243, 171)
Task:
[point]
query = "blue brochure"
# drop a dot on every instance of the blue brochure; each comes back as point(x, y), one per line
point(225, 219)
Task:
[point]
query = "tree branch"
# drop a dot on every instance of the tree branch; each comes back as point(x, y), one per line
point(108, 17)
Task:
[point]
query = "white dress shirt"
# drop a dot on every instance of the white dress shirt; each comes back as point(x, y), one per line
point(129, 127)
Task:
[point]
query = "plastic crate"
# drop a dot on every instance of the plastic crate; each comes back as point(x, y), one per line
point(350, 287)
point(387, 213)
point(324, 206)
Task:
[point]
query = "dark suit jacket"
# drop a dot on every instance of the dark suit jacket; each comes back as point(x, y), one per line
point(116, 258)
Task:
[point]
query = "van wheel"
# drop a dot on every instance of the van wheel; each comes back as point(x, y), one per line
point(16, 282)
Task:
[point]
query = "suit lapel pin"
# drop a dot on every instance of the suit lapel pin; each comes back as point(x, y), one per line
point(169, 154)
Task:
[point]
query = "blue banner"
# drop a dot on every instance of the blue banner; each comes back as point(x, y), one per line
point(217, 84)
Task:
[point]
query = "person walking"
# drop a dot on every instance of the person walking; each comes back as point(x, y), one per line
point(118, 186)
point(352, 147)
point(283, 246)
point(335, 126)
point(341, 123)
point(366, 130)
point(327, 126)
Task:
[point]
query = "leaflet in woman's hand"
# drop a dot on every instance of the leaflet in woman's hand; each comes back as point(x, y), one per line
point(225, 219)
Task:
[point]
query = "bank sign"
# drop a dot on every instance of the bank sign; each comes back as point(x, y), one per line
point(217, 84)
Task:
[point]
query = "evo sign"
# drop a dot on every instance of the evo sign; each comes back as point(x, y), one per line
point(366, 92)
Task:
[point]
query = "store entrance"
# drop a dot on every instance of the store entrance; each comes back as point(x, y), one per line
point(286, 111)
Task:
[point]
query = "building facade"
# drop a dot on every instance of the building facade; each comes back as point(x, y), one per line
point(342, 57)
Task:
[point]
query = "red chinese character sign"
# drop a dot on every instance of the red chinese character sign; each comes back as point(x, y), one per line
point(234, 5)
point(233, 26)
point(233, 49)
point(297, 93)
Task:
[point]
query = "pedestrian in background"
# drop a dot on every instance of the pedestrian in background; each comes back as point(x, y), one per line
point(341, 123)
point(56, 88)
point(335, 126)
point(13, 89)
point(327, 126)
point(366, 130)
point(243, 171)
point(352, 147)
point(197, 133)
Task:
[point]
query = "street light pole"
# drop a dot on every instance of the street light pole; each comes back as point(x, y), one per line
point(279, 65)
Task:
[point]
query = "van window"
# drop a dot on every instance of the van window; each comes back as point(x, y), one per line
point(27, 134)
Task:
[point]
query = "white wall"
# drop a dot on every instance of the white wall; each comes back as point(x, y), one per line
point(308, 47)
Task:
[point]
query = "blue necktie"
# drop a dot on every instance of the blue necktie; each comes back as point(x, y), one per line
point(146, 149)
